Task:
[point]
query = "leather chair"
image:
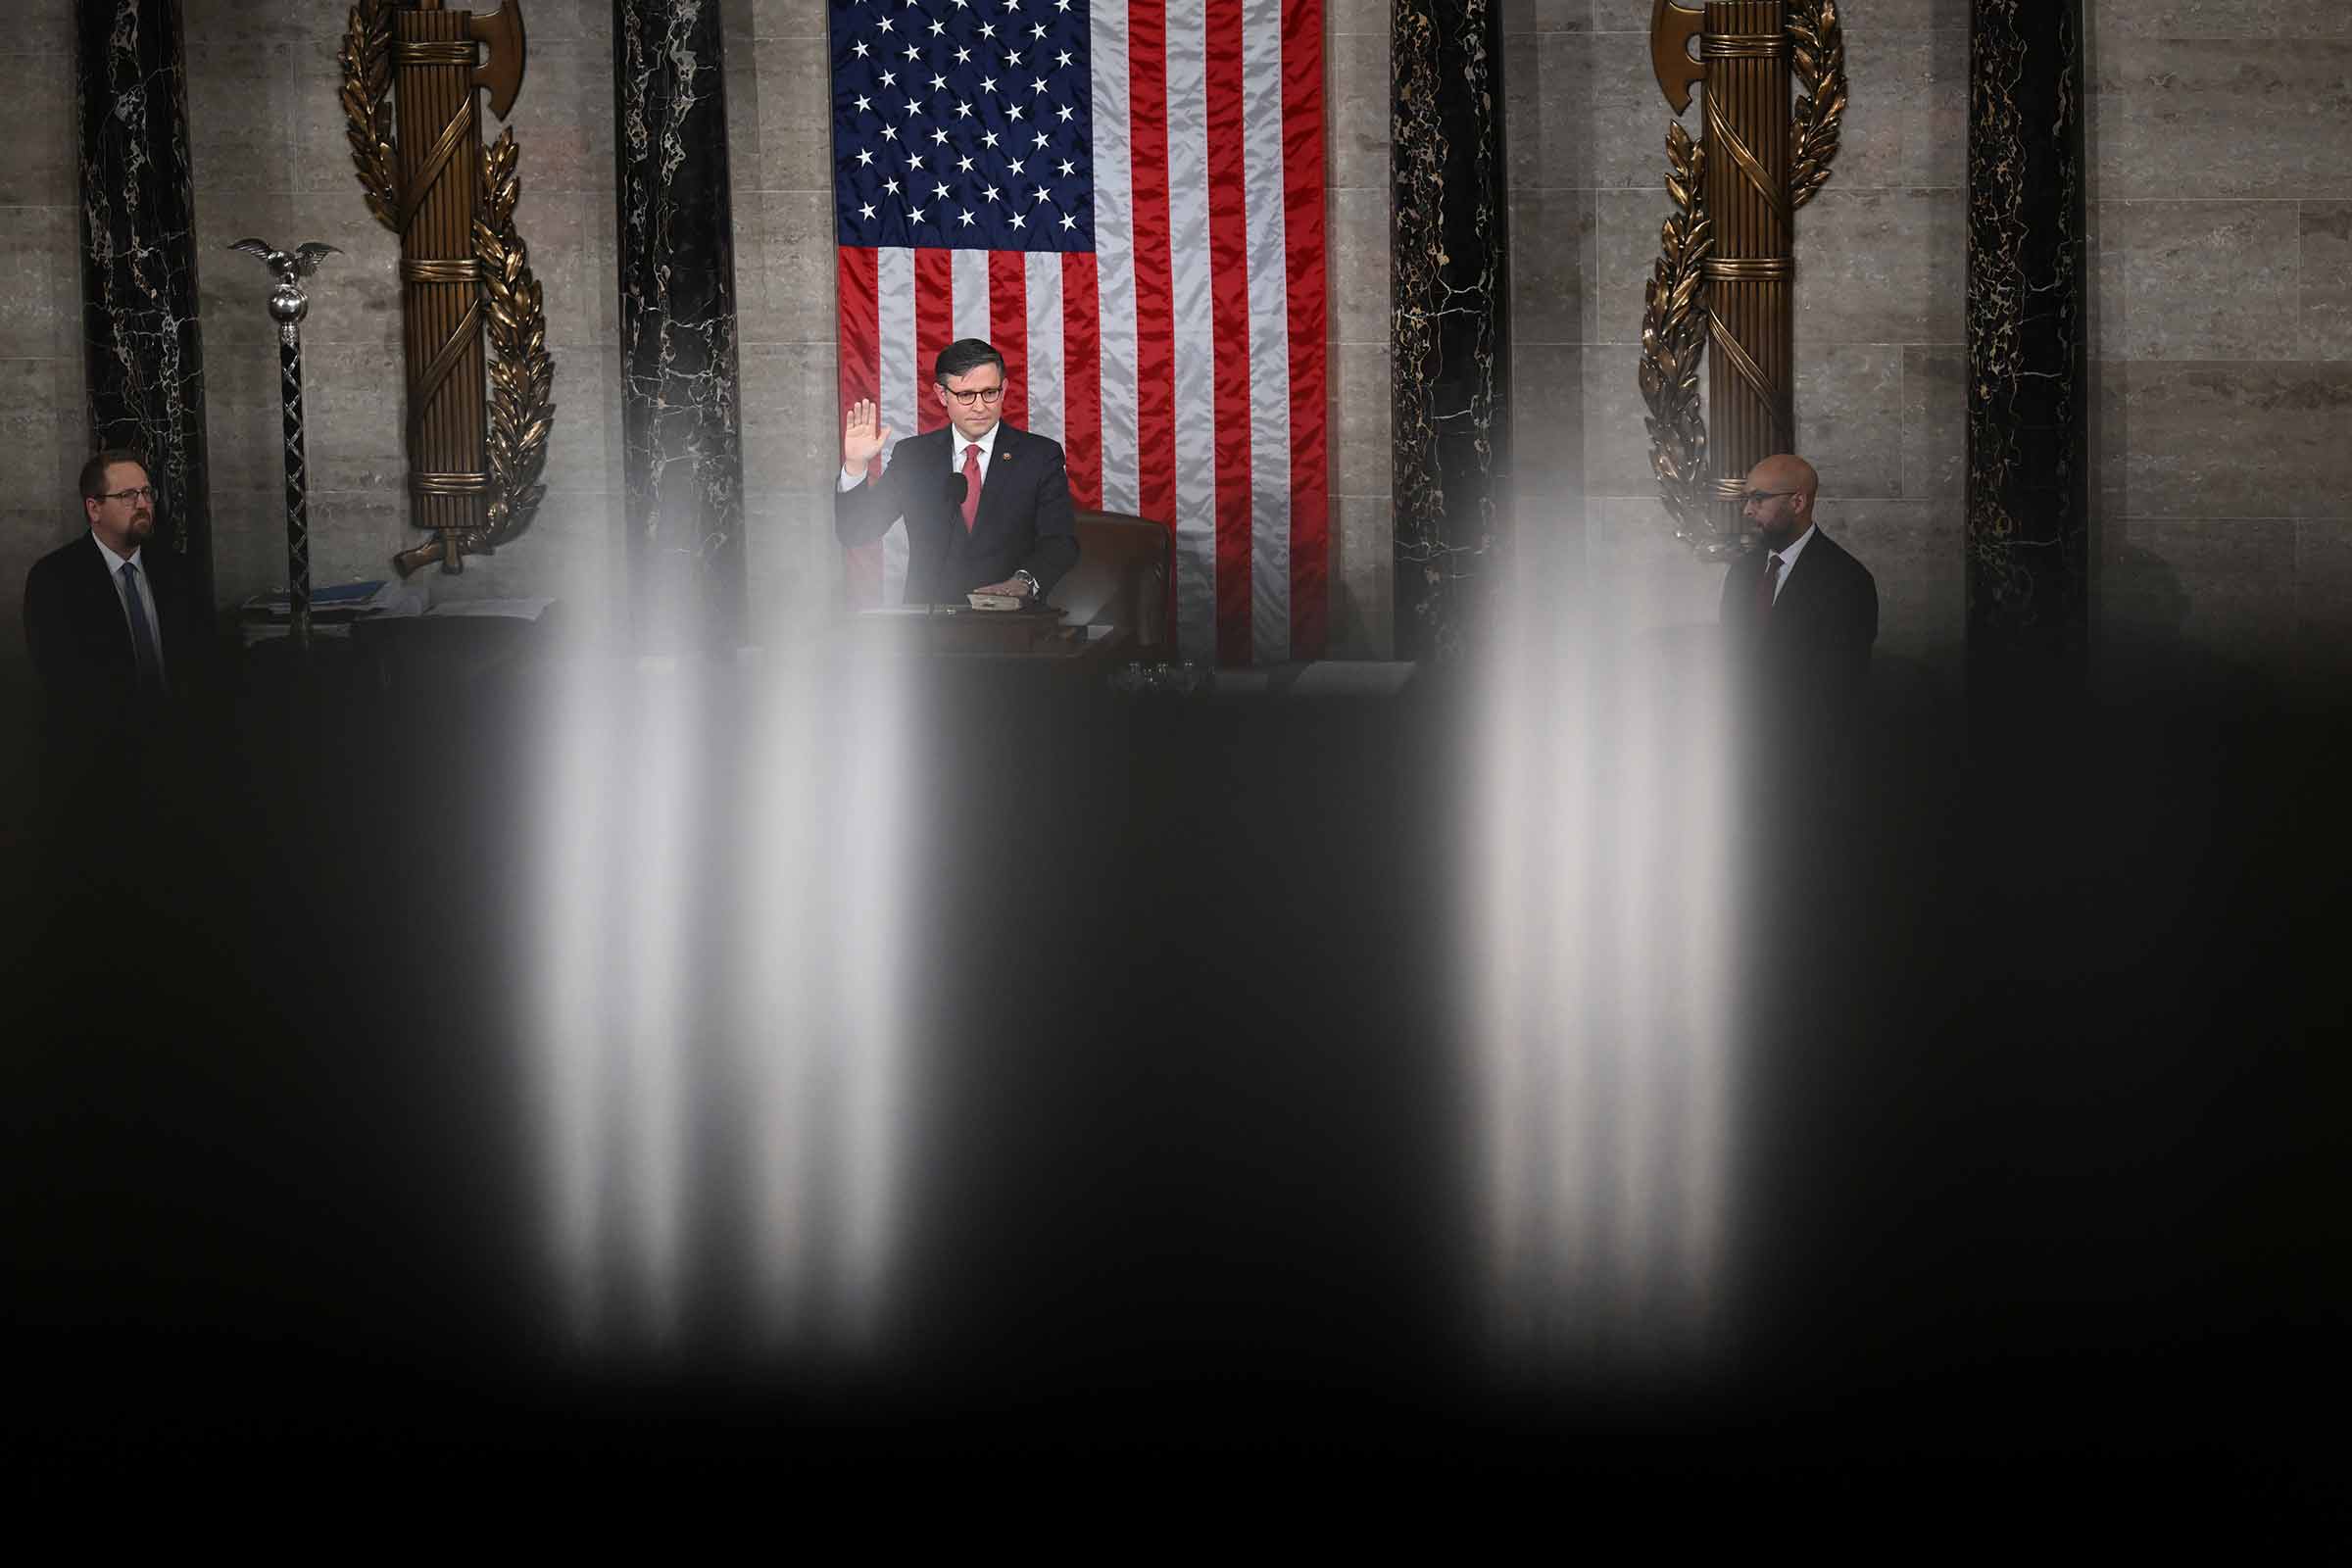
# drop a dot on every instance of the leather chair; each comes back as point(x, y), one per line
point(1123, 578)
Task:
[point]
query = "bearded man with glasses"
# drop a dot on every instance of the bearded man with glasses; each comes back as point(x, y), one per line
point(116, 629)
point(1801, 611)
point(986, 505)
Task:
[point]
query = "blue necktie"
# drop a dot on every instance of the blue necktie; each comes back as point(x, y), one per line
point(142, 636)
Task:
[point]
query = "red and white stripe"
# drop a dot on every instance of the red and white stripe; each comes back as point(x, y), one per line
point(1182, 366)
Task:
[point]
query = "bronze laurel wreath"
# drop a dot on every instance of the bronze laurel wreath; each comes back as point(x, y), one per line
point(1817, 53)
point(1674, 337)
point(521, 374)
point(366, 58)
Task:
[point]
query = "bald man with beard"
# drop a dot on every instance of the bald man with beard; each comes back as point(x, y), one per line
point(1800, 611)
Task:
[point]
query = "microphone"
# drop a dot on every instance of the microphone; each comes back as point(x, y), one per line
point(958, 488)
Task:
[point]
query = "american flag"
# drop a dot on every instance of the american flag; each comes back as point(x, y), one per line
point(1126, 198)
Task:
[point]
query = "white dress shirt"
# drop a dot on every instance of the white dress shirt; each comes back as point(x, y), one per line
point(1787, 553)
point(155, 628)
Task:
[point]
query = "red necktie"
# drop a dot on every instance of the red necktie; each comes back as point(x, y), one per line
point(971, 484)
point(1764, 586)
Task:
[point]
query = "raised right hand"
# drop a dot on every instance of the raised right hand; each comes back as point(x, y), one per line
point(865, 436)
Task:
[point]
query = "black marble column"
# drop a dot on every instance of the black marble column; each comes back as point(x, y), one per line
point(144, 350)
point(1449, 333)
point(679, 411)
point(2028, 527)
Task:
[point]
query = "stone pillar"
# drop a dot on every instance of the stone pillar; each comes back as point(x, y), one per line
point(143, 348)
point(1451, 332)
point(681, 424)
point(2028, 527)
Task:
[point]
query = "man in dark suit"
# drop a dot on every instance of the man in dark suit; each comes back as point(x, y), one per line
point(987, 506)
point(116, 630)
point(1801, 613)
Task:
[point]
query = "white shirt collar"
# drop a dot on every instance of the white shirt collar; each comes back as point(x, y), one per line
point(986, 441)
point(114, 563)
point(1788, 553)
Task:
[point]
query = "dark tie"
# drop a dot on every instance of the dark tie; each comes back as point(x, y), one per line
point(142, 636)
point(971, 484)
point(1764, 586)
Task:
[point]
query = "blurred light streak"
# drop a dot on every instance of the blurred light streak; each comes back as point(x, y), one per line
point(1600, 909)
point(721, 1084)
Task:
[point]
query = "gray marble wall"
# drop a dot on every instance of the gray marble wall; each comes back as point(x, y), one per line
point(266, 121)
point(41, 388)
point(1879, 340)
point(2221, 159)
point(777, 110)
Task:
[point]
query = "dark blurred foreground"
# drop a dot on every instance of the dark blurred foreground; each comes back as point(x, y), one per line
point(2045, 1216)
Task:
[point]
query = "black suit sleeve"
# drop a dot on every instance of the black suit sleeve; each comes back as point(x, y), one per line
point(864, 514)
point(45, 635)
point(1055, 549)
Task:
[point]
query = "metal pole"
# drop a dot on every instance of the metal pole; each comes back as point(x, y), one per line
point(288, 305)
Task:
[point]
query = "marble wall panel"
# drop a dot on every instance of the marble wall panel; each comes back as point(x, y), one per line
point(794, 563)
point(1583, 112)
point(789, 396)
point(1880, 267)
point(2219, 441)
point(243, 416)
point(1616, 443)
point(796, 279)
point(2186, 117)
point(795, 94)
point(1363, 577)
point(36, 126)
point(1624, 254)
point(781, 19)
point(1356, 100)
point(1935, 422)
point(26, 534)
point(2325, 232)
point(42, 429)
point(1548, 424)
point(1849, 398)
point(1358, 236)
point(1360, 419)
point(38, 417)
point(2199, 281)
point(1550, 302)
point(2228, 123)
point(2217, 18)
point(1913, 547)
point(2322, 588)
point(776, 87)
point(1652, 580)
point(2225, 585)
point(40, 295)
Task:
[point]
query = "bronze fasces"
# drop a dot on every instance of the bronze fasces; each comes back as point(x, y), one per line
point(479, 379)
point(1722, 290)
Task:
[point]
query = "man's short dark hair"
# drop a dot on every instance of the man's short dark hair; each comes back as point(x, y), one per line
point(964, 356)
point(93, 472)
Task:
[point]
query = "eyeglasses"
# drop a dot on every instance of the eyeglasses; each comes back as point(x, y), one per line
point(145, 492)
point(1754, 498)
point(983, 394)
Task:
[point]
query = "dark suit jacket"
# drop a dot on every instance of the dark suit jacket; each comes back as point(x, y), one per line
point(1026, 518)
point(1812, 652)
point(81, 644)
